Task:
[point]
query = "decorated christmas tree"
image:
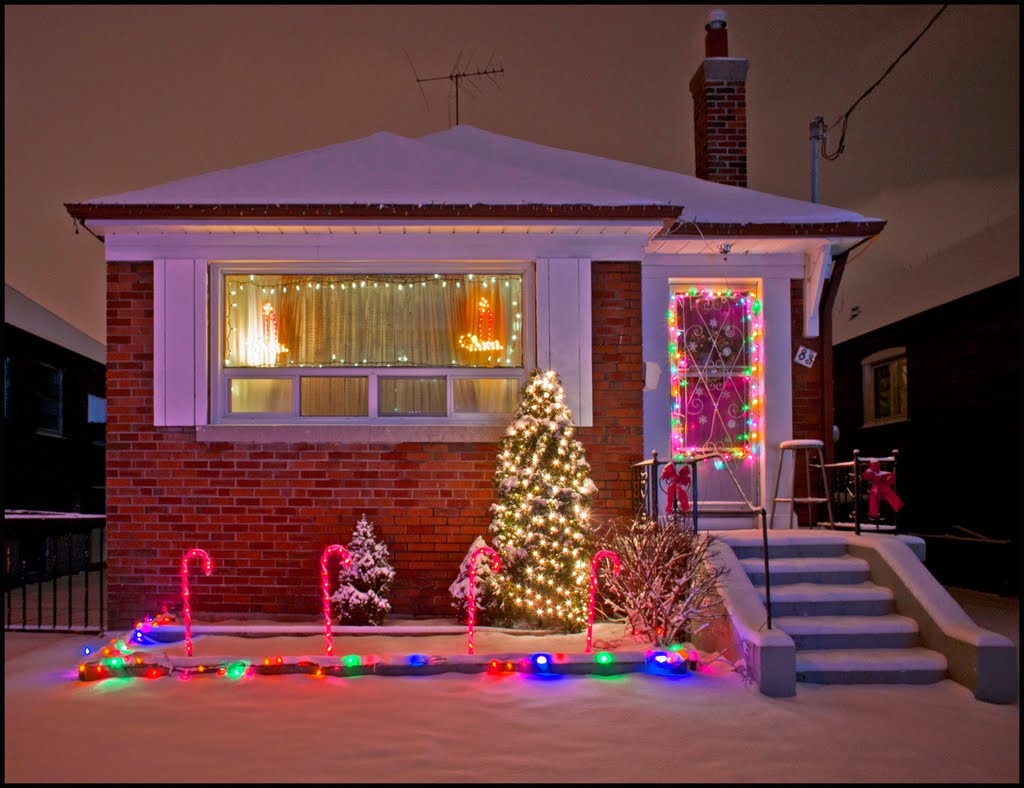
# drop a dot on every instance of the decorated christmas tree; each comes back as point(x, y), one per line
point(539, 524)
point(361, 597)
point(484, 586)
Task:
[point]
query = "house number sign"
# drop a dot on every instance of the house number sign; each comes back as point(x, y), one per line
point(805, 356)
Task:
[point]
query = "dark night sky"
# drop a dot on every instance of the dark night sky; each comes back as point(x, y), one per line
point(104, 99)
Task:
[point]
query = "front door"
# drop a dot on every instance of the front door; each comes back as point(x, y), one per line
point(716, 364)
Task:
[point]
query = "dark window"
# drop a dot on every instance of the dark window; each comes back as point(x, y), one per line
point(50, 401)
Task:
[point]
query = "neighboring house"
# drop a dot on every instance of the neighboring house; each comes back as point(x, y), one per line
point(294, 343)
point(940, 363)
point(54, 411)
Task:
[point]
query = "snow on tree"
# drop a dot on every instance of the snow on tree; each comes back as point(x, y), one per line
point(540, 522)
point(484, 586)
point(361, 597)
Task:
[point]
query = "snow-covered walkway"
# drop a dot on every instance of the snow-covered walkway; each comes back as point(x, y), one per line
point(704, 727)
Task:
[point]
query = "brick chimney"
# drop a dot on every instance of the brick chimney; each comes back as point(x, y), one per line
point(720, 108)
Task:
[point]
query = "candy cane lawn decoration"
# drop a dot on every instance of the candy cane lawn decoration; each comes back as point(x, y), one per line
point(495, 566)
point(346, 559)
point(207, 568)
point(593, 588)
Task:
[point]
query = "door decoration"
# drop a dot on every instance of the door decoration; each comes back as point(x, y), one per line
point(715, 361)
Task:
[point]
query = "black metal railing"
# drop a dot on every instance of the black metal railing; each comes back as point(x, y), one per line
point(851, 493)
point(54, 571)
point(646, 485)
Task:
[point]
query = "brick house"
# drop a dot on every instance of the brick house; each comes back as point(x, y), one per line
point(296, 342)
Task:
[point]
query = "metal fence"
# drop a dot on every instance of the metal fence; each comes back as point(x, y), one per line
point(851, 495)
point(54, 566)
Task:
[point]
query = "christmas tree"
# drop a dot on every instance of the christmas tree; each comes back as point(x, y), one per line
point(361, 597)
point(540, 527)
point(484, 586)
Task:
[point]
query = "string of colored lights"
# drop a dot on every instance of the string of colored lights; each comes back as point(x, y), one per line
point(680, 357)
point(120, 663)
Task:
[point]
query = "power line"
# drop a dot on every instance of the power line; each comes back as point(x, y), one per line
point(845, 117)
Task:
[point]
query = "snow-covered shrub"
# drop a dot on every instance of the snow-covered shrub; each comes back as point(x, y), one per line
point(361, 597)
point(666, 587)
point(484, 586)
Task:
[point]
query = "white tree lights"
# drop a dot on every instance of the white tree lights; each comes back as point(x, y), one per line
point(540, 521)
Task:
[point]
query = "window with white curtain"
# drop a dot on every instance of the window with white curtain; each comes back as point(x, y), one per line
point(333, 344)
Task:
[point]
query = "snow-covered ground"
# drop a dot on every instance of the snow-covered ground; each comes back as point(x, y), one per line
point(705, 727)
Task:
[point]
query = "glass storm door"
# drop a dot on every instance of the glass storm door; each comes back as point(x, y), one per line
point(715, 359)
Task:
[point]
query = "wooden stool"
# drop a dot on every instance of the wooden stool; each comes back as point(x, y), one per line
point(806, 446)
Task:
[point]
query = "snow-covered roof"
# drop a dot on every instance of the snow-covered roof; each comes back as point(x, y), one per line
point(28, 315)
point(469, 166)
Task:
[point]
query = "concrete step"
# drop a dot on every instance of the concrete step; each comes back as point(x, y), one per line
point(805, 548)
point(871, 666)
point(828, 570)
point(819, 599)
point(849, 632)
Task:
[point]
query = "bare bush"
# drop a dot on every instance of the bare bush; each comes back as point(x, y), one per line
point(666, 587)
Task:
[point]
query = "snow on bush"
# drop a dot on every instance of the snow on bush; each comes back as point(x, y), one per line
point(484, 586)
point(361, 597)
point(666, 588)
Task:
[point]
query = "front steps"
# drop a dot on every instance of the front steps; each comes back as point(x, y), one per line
point(844, 626)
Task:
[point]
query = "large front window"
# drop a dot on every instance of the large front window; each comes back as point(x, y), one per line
point(303, 344)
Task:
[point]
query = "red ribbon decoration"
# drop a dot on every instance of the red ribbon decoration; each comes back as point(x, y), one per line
point(678, 481)
point(881, 487)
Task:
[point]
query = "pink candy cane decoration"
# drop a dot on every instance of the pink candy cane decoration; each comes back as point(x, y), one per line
point(593, 589)
point(346, 559)
point(471, 603)
point(207, 568)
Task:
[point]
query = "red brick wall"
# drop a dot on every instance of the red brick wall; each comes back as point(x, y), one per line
point(720, 131)
point(265, 512)
point(616, 440)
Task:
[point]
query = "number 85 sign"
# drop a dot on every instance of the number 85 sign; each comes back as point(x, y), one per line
point(805, 356)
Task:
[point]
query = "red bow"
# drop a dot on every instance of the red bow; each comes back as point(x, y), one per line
point(678, 481)
point(881, 487)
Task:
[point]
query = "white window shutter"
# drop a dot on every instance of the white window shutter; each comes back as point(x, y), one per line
point(564, 331)
point(179, 357)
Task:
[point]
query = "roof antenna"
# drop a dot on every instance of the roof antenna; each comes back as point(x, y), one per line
point(456, 74)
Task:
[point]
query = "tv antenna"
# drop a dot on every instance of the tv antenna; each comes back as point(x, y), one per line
point(462, 72)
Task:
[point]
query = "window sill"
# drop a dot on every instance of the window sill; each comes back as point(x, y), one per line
point(883, 422)
point(362, 433)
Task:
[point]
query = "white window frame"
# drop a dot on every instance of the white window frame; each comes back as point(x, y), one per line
point(890, 357)
point(220, 376)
